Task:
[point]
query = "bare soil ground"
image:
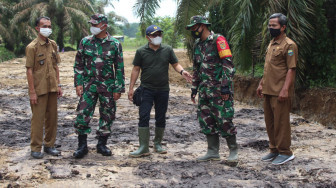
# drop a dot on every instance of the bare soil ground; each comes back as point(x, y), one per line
point(313, 144)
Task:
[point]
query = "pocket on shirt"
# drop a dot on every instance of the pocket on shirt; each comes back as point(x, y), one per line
point(277, 57)
point(108, 58)
point(40, 62)
point(39, 73)
point(210, 63)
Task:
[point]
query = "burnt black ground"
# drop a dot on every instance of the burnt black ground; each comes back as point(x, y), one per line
point(313, 145)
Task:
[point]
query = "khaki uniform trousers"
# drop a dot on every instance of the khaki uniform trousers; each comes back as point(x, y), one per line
point(44, 113)
point(278, 124)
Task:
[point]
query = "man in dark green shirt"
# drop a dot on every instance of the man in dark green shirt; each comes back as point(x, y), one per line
point(153, 60)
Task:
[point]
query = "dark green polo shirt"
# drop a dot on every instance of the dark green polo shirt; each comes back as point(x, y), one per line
point(154, 66)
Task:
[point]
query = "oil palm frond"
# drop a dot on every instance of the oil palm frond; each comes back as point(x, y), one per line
point(5, 34)
point(145, 10)
point(24, 4)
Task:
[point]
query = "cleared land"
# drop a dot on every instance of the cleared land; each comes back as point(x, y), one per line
point(313, 144)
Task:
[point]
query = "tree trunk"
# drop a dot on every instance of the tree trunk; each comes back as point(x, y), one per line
point(60, 35)
point(253, 68)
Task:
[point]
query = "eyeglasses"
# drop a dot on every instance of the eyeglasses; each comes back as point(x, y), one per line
point(156, 34)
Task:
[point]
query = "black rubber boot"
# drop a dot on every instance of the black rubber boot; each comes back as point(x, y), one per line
point(82, 149)
point(101, 146)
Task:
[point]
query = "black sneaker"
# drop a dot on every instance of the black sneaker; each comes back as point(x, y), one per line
point(269, 157)
point(281, 159)
point(36, 154)
point(51, 151)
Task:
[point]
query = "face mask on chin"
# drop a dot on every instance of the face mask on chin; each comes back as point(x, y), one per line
point(274, 32)
point(46, 32)
point(156, 41)
point(96, 30)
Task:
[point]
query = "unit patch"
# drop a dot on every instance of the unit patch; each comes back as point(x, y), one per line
point(290, 52)
point(222, 44)
point(223, 48)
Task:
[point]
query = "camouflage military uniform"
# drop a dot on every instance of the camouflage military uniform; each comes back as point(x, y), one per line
point(213, 73)
point(99, 68)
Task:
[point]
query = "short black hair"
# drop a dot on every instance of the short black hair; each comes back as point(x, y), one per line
point(37, 22)
point(282, 18)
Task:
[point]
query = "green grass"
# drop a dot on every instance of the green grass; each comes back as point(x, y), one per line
point(5, 55)
point(131, 44)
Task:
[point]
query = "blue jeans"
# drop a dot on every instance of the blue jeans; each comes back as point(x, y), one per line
point(160, 100)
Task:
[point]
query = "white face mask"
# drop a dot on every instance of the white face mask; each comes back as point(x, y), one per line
point(156, 41)
point(46, 32)
point(96, 30)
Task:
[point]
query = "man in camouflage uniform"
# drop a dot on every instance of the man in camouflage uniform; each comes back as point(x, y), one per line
point(99, 74)
point(212, 79)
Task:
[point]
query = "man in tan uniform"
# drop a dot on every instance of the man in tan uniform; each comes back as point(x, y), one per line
point(277, 88)
point(42, 60)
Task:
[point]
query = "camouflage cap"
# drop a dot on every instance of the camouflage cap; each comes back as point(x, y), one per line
point(196, 20)
point(97, 18)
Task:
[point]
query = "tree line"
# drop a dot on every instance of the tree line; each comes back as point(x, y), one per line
point(69, 20)
point(311, 24)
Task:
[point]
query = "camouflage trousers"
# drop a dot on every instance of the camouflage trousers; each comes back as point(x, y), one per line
point(215, 116)
point(86, 108)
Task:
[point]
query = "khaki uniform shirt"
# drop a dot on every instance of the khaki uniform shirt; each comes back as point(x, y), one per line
point(282, 55)
point(43, 57)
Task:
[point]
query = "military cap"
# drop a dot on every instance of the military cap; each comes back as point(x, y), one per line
point(196, 20)
point(97, 18)
point(152, 29)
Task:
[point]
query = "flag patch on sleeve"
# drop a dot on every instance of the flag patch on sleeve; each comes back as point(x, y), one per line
point(223, 47)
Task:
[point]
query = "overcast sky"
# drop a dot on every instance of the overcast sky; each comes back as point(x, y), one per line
point(125, 8)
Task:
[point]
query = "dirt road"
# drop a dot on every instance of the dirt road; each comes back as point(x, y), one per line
point(314, 145)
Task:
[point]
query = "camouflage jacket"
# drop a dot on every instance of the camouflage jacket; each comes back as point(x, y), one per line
point(100, 62)
point(213, 67)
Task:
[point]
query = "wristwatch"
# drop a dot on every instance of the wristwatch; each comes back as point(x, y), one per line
point(59, 85)
point(181, 71)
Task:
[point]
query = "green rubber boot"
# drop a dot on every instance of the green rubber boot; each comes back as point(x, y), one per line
point(213, 149)
point(143, 149)
point(232, 144)
point(159, 131)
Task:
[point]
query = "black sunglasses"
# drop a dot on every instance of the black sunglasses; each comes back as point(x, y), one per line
point(156, 34)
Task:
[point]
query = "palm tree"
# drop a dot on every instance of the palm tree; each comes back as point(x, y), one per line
point(145, 9)
point(244, 23)
point(70, 17)
point(5, 34)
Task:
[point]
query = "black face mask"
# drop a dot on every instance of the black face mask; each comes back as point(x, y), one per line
point(274, 32)
point(197, 34)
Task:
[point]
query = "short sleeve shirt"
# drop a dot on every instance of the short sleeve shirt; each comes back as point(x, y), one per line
point(282, 55)
point(43, 57)
point(154, 66)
